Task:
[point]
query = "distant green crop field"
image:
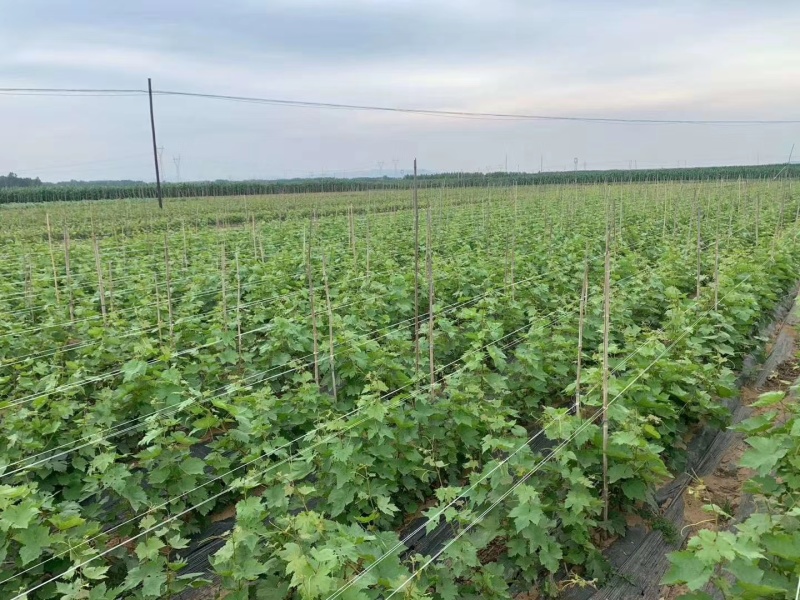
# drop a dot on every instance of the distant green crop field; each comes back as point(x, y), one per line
point(311, 368)
point(67, 193)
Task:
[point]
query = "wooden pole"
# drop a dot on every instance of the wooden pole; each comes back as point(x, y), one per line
point(581, 320)
point(185, 254)
point(366, 217)
point(330, 323)
point(68, 273)
point(716, 271)
point(255, 237)
point(110, 287)
point(699, 253)
point(52, 257)
point(29, 287)
point(514, 244)
point(100, 287)
point(224, 288)
point(310, 278)
point(238, 308)
point(431, 299)
point(606, 331)
point(158, 306)
point(416, 275)
point(168, 274)
point(155, 148)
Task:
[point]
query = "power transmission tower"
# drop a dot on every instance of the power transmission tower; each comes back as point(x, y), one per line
point(380, 168)
point(395, 161)
point(575, 160)
point(177, 161)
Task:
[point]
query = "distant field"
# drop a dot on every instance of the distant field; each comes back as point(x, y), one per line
point(78, 191)
point(277, 359)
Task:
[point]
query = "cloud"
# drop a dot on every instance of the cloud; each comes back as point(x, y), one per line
point(681, 60)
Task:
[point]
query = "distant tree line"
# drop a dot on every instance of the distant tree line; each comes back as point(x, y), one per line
point(33, 190)
point(13, 181)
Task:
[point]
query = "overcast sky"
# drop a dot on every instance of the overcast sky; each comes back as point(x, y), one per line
point(686, 60)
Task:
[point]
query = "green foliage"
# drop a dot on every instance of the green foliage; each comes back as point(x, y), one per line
point(134, 421)
point(760, 558)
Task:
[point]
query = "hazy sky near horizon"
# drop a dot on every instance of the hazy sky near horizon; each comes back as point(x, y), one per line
point(677, 60)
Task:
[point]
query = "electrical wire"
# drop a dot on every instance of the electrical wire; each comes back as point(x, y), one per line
point(394, 109)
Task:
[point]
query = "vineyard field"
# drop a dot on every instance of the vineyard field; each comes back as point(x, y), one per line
point(324, 369)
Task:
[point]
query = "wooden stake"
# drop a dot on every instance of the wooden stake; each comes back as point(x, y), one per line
point(366, 216)
point(431, 299)
point(353, 237)
point(416, 275)
point(255, 237)
point(514, 244)
point(238, 308)
point(185, 254)
point(69, 274)
point(716, 271)
point(310, 277)
point(224, 288)
point(758, 214)
point(29, 287)
point(158, 307)
point(606, 331)
point(581, 320)
point(100, 288)
point(699, 253)
point(168, 273)
point(110, 287)
point(52, 257)
point(330, 323)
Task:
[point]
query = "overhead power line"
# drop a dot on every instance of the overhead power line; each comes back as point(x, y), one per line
point(395, 109)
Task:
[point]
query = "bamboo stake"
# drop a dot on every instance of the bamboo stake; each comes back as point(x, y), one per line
point(238, 308)
point(255, 240)
point(330, 323)
point(416, 275)
point(699, 253)
point(431, 299)
point(52, 257)
point(110, 287)
point(168, 273)
point(514, 244)
point(158, 307)
point(581, 321)
point(606, 329)
point(366, 217)
point(224, 288)
point(185, 254)
point(716, 271)
point(353, 237)
point(100, 287)
point(69, 273)
point(29, 287)
point(758, 214)
point(310, 277)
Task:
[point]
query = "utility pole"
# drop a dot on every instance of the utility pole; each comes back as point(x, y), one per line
point(506, 163)
point(177, 161)
point(541, 163)
point(155, 148)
